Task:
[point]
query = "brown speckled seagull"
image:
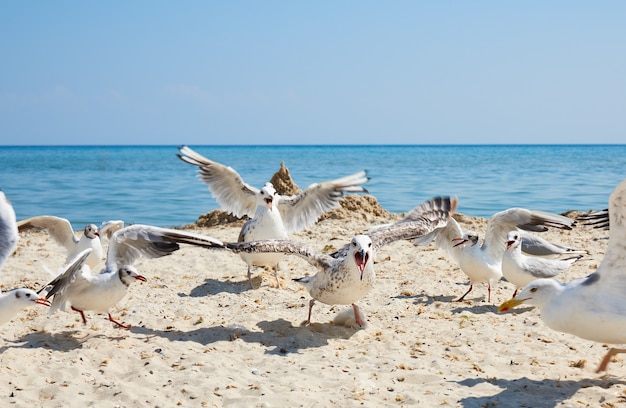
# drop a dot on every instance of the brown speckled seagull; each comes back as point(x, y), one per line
point(347, 275)
point(272, 216)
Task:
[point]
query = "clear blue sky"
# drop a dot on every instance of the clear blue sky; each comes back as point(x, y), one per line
point(316, 72)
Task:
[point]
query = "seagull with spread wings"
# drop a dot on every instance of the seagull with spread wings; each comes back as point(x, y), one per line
point(272, 216)
point(347, 275)
point(85, 291)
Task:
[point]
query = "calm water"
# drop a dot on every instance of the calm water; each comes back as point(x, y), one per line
point(150, 185)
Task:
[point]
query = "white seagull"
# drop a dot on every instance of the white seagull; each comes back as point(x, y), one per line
point(60, 229)
point(483, 263)
point(85, 291)
point(520, 269)
point(272, 216)
point(14, 300)
point(347, 275)
point(592, 308)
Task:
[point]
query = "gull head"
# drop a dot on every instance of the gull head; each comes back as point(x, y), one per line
point(27, 297)
point(267, 195)
point(537, 293)
point(91, 231)
point(128, 274)
point(469, 237)
point(361, 250)
point(513, 239)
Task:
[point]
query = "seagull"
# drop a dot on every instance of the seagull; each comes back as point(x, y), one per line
point(483, 263)
point(520, 269)
point(85, 291)
point(272, 216)
point(347, 275)
point(8, 229)
point(62, 232)
point(14, 300)
point(592, 308)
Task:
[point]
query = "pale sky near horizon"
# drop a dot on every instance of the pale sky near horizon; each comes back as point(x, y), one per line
point(318, 72)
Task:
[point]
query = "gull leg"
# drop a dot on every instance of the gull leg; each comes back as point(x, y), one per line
point(515, 293)
point(463, 297)
point(607, 358)
point(250, 277)
point(311, 303)
point(276, 276)
point(357, 315)
point(120, 325)
point(489, 292)
point(81, 314)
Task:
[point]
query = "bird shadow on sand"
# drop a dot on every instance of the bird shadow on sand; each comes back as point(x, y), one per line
point(524, 392)
point(214, 287)
point(425, 299)
point(278, 336)
point(60, 341)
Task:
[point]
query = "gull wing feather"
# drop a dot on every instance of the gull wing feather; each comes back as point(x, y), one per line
point(8, 229)
point(302, 250)
point(225, 184)
point(72, 276)
point(130, 243)
point(302, 210)
point(59, 228)
point(108, 228)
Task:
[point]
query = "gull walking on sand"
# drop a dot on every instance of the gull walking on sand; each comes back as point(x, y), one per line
point(85, 291)
point(483, 263)
point(347, 275)
point(592, 308)
point(272, 216)
point(520, 269)
point(60, 229)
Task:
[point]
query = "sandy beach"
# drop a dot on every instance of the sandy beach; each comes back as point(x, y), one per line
point(202, 337)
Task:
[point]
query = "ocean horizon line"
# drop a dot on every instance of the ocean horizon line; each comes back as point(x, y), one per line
point(325, 145)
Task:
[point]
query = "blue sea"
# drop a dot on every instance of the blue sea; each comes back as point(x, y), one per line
point(150, 185)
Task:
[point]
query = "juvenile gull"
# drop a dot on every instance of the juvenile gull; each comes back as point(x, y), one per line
point(14, 300)
point(347, 275)
point(483, 263)
point(520, 269)
point(272, 216)
point(85, 291)
point(593, 308)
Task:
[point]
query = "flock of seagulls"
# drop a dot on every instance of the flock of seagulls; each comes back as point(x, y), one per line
point(591, 308)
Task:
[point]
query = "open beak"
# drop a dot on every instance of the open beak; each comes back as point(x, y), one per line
point(510, 304)
point(43, 301)
point(141, 278)
point(509, 244)
point(361, 258)
point(461, 241)
point(268, 201)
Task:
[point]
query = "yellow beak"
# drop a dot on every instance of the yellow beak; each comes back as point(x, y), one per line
point(510, 304)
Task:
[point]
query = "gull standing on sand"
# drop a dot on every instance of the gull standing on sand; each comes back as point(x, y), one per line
point(592, 308)
point(14, 300)
point(60, 229)
point(99, 293)
point(520, 269)
point(347, 275)
point(273, 216)
point(483, 263)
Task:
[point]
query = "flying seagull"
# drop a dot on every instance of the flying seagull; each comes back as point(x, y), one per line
point(272, 216)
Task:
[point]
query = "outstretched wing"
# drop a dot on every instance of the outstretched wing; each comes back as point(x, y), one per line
point(304, 251)
point(428, 216)
point(303, 210)
point(443, 238)
point(130, 243)
point(225, 184)
point(108, 228)
point(597, 219)
point(8, 229)
point(72, 275)
point(59, 229)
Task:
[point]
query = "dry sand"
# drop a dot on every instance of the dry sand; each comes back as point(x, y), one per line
point(202, 337)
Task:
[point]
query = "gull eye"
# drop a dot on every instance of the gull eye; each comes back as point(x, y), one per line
point(28, 295)
point(533, 290)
